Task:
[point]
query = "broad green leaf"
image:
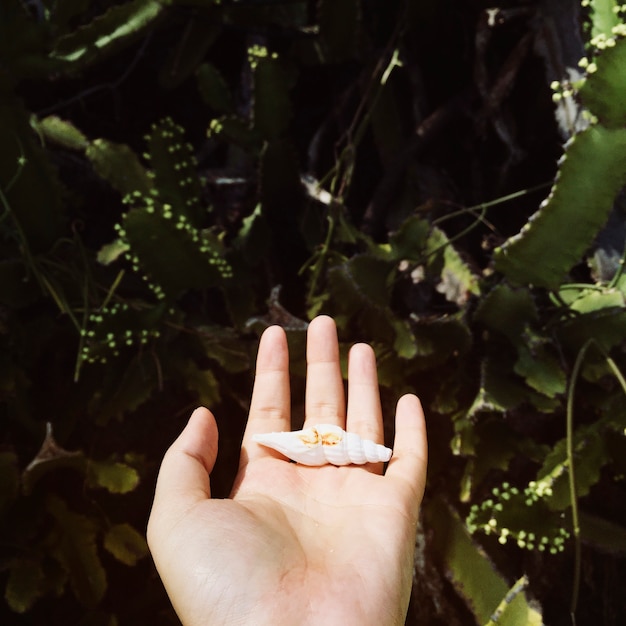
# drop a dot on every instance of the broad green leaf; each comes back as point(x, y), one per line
point(405, 345)
point(125, 389)
point(114, 476)
point(254, 237)
point(472, 573)
point(604, 91)
point(359, 288)
point(590, 300)
point(409, 241)
point(119, 166)
point(224, 346)
point(25, 585)
point(592, 172)
point(499, 390)
point(494, 445)
point(125, 544)
point(605, 327)
point(541, 370)
point(72, 541)
point(9, 479)
point(507, 311)
point(440, 339)
point(203, 382)
point(457, 281)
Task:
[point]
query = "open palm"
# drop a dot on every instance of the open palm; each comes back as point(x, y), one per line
point(294, 544)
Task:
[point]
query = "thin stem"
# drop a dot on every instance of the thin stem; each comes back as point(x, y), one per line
point(572, 477)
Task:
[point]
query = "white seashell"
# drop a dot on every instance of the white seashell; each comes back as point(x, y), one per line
point(323, 444)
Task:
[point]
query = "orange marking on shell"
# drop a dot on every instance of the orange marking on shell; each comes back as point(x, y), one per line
point(331, 439)
point(310, 439)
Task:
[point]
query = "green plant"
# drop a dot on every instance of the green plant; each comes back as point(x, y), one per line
point(136, 272)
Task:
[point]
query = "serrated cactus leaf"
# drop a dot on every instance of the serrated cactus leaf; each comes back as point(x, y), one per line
point(174, 167)
point(110, 252)
point(62, 132)
point(66, 11)
point(603, 534)
point(125, 544)
point(108, 32)
point(520, 516)
point(119, 328)
point(339, 28)
point(592, 172)
point(175, 259)
point(199, 35)
point(272, 105)
point(119, 166)
point(472, 573)
point(213, 89)
point(235, 130)
point(280, 188)
point(604, 91)
point(604, 17)
point(590, 456)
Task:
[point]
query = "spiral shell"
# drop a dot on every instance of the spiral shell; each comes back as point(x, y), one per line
point(323, 444)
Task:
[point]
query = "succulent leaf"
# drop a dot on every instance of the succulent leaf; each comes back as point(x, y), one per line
point(604, 90)
point(592, 172)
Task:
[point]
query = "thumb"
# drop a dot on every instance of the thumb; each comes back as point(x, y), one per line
point(184, 475)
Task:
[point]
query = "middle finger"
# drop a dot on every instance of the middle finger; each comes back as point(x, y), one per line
point(324, 398)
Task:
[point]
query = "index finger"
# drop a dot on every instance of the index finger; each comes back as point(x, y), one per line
point(270, 407)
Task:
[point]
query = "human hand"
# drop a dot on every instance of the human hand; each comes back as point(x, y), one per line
point(293, 545)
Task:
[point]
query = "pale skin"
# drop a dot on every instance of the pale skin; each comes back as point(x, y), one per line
point(293, 545)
